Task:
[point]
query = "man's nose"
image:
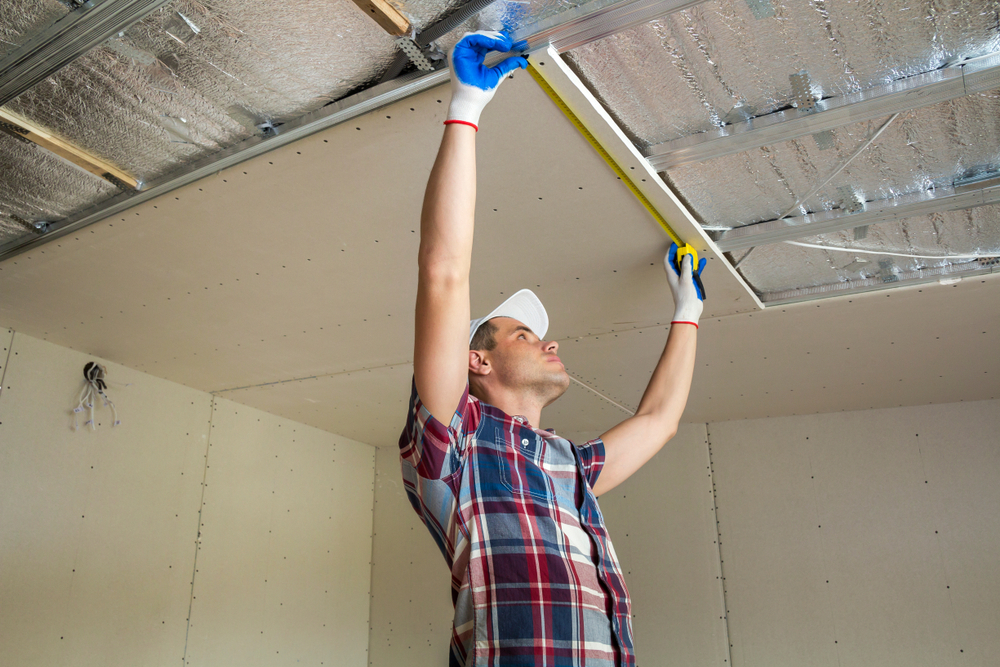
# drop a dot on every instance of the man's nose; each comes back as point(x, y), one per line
point(551, 346)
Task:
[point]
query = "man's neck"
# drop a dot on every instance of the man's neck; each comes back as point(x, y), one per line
point(517, 406)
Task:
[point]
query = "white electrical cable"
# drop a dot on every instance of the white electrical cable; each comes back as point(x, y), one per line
point(94, 383)
point(894, 254)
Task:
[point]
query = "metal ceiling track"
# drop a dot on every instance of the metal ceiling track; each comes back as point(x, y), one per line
point(945, 275)
point(566, 30)
point(940, 199)
point(65, 40)
point(972, 76)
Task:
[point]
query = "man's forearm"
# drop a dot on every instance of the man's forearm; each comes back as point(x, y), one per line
point(446, 221)
point(668, 388)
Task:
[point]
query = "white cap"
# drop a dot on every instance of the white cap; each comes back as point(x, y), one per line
point(523, 307)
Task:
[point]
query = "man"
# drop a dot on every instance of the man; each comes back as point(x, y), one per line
point(513, 508)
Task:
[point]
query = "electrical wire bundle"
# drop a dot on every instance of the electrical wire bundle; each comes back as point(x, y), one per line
point(94, 386)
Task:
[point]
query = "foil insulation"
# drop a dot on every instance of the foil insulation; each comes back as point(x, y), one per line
point(39, 186)
point(19, 21)
point(196, 77)
point(939, 240)
point(921, 148)
point(717, 63)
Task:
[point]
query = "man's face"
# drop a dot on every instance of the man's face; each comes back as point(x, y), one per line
point(524, 361)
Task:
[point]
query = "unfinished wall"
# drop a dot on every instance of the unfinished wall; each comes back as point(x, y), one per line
point(99, 528)
point(863, 538)
point(411, 607)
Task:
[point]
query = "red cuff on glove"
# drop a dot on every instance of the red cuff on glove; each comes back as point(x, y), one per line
point(462, 122)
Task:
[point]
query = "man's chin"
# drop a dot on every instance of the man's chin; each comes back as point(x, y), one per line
point(560, 383)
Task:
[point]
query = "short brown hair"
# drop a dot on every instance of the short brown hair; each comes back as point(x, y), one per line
point(485, 337)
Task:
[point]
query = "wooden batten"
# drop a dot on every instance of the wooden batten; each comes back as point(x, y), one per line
point(25, 128)
point(386, 16)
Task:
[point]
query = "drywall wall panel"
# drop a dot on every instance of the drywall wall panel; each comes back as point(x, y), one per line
point(862, 538)
point(299, 229)
point(411, 584)
point(662, 523)
point(284, 561)
point(97, 528)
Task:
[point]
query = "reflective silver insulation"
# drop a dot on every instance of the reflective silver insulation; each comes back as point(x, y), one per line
point(935, 144)
point(715, 63)
point(20, 20)
point(196, 77)
point(719, 63)
point(39, 186)
point(952, 239)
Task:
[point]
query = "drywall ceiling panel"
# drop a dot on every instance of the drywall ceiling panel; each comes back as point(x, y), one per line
point(186, 81)
point(685, 73)
point(370, 405)
point(907, 347)
point(302, 262)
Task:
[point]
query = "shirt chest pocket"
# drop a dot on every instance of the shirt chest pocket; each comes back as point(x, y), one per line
point(520, 470)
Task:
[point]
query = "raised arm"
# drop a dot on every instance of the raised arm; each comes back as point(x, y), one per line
point(631, 443)
point(441, 345)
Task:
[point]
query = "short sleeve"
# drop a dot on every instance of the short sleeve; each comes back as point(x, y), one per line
point(592, 457)
point(435, 450)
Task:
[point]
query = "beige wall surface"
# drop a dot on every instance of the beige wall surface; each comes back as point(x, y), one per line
point(411, 608)
point(662, 524)
point(862, 538)
point(98, 528)
point(284, 563)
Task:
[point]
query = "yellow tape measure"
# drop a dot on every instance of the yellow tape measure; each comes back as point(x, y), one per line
point(607, 157)
point(687, 249)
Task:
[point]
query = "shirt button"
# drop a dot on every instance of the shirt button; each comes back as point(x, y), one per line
point(525, 442)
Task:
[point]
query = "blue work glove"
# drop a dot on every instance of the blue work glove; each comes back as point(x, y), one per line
point(472, 83)
point(688, 297)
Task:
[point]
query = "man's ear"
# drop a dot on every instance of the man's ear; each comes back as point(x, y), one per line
point(478, 363)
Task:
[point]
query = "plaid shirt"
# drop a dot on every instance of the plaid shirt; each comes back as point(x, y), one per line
point(534, 578)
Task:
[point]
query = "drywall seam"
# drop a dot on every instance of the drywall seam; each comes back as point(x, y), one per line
point(718, 544)
point(371, 557)
point(6, 363)
point(311, 377)
point(197, 542)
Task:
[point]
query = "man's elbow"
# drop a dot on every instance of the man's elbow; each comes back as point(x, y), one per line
point(441, 272)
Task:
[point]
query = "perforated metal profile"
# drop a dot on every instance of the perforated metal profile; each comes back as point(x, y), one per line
point(586, 23)
point(66, 40)
point(974, 76)
point(883, 280)
point(907, 206)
